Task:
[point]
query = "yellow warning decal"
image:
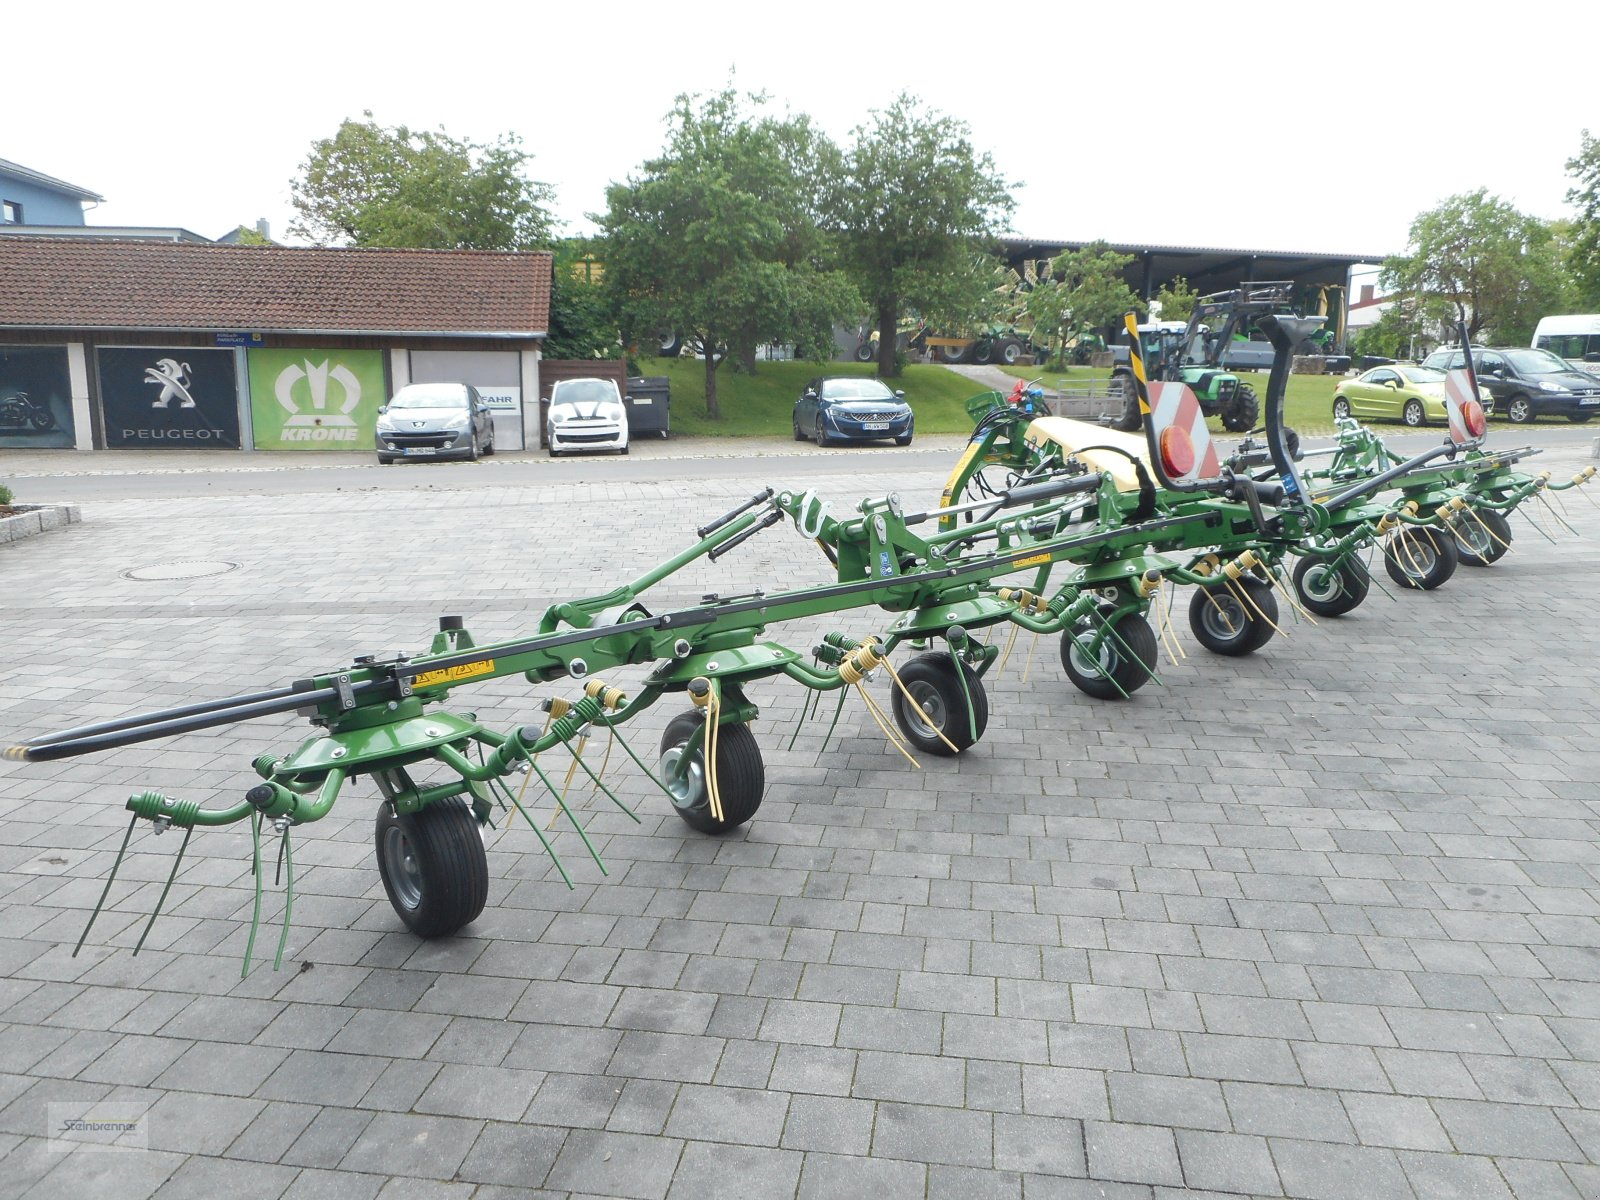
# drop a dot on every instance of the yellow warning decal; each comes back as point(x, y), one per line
point(454, 674)
point(1035, 561)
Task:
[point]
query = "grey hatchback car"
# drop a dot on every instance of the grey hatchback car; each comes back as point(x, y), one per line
point(434, 420)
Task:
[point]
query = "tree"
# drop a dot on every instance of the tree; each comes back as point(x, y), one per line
point(915, 200)
point(1500, 266)
point(1176, 299)
point(1083, 291)
point(718, 241)
point(582, 322)
point(1583, 253)
point(374, 186)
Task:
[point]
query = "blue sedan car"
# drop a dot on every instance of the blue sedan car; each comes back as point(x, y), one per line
point(852, 408)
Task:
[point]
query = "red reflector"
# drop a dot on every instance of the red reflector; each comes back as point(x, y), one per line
point(1177, 452)
point(1472, 414)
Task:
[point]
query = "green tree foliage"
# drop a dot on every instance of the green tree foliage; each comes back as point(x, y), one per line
point(718, 239)
point(582, 321)
point(1083, 291)
point(1403, 330)
point(1477, 252)
point(1177, 299)
point(369, 185)
point(1583, 250)
point(916, 199)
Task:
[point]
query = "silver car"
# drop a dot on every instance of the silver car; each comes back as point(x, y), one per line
point(434, 420)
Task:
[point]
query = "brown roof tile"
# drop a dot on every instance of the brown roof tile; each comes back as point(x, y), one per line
point(94, 284)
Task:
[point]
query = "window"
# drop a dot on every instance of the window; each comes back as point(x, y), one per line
point(10, 212)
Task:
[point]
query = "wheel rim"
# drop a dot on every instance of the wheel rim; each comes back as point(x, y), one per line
point(1104, 661)
point(1475, 538)
point(1341, 408)
point(405, 872)
point(1413, 414)
point(1322, 583)
point(1416, 557)
point(1224, 618)
point(1518, 411)
point(688, 791)
point(932, 703)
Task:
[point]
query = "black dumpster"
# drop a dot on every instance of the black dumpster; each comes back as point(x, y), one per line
point(649, 405)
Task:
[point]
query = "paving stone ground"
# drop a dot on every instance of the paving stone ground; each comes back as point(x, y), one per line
point(1319, 923)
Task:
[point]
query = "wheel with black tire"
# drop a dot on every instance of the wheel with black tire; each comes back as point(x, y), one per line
point(1109, 664)
point(1330, 591)
point(954, 354)
point(433, 866)
point(983, 353)
point(1419, 557)
point(488, 447)
point(1007, 351)
point(1224, 623)
point(1341, 408)
point(386, 460)
point(905, 438)
point(1291, 442)
point(866, 352)
point(472, 448)
point(741, 778)
point(1580, 418)
point(1131, 418)
point(933, 683)
point(44, 420)
point(1482, 537)
point(1413, 415)
point(1240, 416)
point(799, 434)
point(1519, 410)
point(820, 434)
point(671, 345)
point(624, 449)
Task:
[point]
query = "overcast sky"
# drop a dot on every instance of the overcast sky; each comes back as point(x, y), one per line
point(1310, 127)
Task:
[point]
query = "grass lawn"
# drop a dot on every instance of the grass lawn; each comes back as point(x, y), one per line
point(762, 405)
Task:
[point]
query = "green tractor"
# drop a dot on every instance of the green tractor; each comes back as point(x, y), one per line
point(1202, 352)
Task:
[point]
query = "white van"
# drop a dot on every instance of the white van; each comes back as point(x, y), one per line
point(1575, 337)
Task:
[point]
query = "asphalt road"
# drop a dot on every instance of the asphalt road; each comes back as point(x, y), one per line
point(70, 477)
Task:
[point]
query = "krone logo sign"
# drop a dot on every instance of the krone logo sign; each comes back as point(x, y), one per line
point(308, 391)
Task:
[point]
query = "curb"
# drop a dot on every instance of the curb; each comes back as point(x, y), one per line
point(36, 519)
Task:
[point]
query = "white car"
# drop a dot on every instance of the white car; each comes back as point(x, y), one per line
point(586, 414)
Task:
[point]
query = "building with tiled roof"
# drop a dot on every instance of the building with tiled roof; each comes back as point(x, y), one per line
point(123, 343)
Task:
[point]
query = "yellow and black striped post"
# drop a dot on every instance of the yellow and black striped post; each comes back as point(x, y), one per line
point(1136, 361)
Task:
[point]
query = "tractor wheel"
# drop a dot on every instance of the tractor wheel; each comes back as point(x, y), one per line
point(1224, 624)
point(1413, 414)
point(670, 346)
point(1480, 547)
point(983, 352)
point(932, 681)
point(953, 354)
point(740, 775)
point(433, 866)
point(1241, 415)
point(1341, 408)
point(1131, 419)
point(1331, 591)
point(866, 352)
point(1419, 557)
point(1118, 666)
point(1007, 351)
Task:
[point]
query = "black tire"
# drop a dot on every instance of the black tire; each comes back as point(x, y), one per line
point(799, 434)
point(1474, 547)
point(1240, 416)
point(42, 419)
point(932, 679)
point(1291, 442)
point(1224, 625)
point(866, 352)
point(1580, 418)
point(386, 460)
point(1519, 411)
point(983, 353)
point(1331, 591)
point(1419, 557)
point(1413, 414)
point(820, 436)
point(906, 439)
point(433, 866)
point(1129, 662)
point(1341, 408)
point(671, 345)
point(741, 778)
point(1007, 351)
point(624, 449)
point(488, 447)
point(1131, 419)
point(472, 448)
point(954, 354)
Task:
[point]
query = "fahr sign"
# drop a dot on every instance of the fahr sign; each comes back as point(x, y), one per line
point(315, 399)
point(169, 398)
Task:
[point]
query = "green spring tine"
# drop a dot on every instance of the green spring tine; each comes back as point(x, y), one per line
point(1542, 532)
point(255, 869)
point(277, 872)
point(106, 891)
point(621, 741)
point(162, 899)
point(287, 856)
point(578, 758)
point(966, 693)
point(813, 701)
point(827, 737)
point(1094, 661)
point(561, 802)
point(534, 825)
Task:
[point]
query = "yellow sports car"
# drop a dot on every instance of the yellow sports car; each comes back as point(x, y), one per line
point(1398, 392)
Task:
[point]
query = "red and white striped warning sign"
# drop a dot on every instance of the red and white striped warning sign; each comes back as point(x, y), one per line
point(1467, 422)
point(1174, 406)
